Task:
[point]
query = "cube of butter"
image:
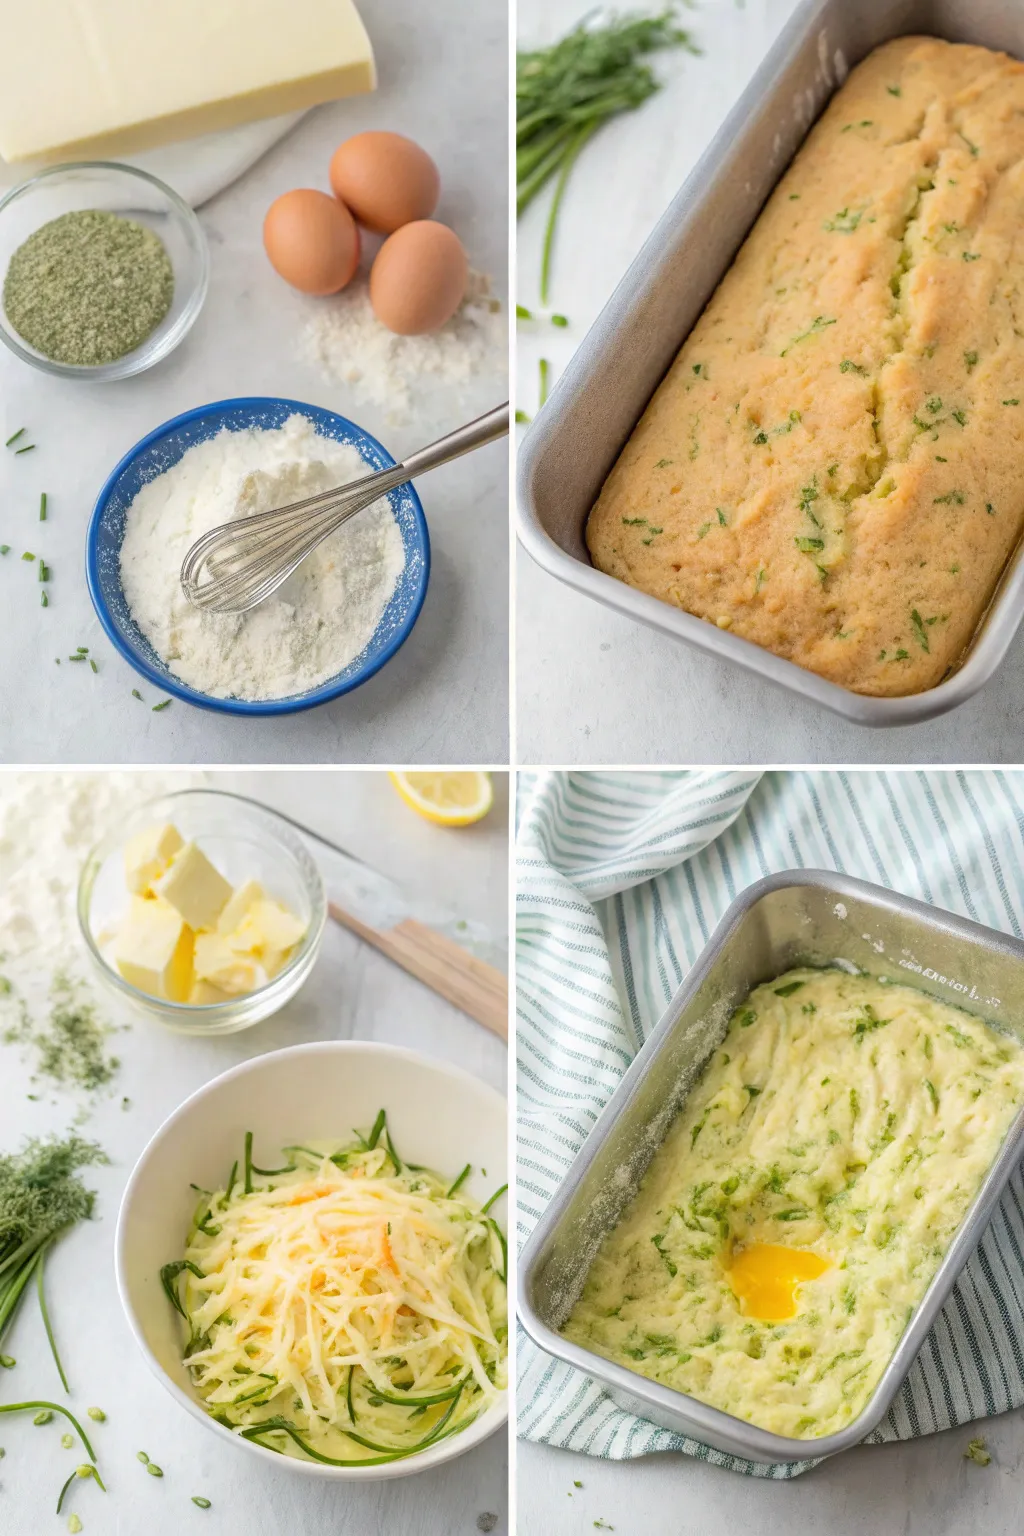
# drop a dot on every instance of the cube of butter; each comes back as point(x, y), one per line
point(147, 855)
point(241, 900)
point(204, 993)
point(194, 888)
point(103, 77)
point(153, 950)
point(265, 928)
point(217, 963)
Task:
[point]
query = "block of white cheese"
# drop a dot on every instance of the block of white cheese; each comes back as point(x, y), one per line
point(107, 77)
point(194, 888)
point(153, 950)
point(147, 855)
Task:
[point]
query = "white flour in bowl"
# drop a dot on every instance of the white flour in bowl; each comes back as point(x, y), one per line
point(316, 623)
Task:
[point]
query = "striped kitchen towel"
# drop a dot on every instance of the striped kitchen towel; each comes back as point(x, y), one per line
point(621, 878)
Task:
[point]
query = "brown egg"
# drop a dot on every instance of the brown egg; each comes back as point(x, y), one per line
point(419, 277)
point(386, 180)
point(312, 241)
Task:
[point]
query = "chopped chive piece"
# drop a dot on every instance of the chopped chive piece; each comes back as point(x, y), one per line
point(78, 658)
point(1011, 402)
point(136, 694)
point(559, 320)
point(97, 1414)
point(522, 418)
point(8, 1362)
point(920, 633)
point(5, 549)
point(198, 1499)
point(141, 1456)
point(463, 1176)
point(14, 437)
point(27, 449)
point(44, 601)
point(67, 1441)
point(42, 507)
point(43, 1416)
point(83, 650)
point(522, 313)
point(153, 1469)
point(158, 707)
point(28, 555)
point(93, 665)
point(545, 368)
point(74, 1524)
point(44, 571)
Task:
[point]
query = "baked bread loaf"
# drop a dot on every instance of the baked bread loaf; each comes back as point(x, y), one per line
point(833, 467)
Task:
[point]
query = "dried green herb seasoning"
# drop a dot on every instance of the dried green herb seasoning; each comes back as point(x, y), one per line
point(88, 287)
point(70, 1043)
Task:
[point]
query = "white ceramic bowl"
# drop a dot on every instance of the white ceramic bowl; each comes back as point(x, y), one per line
point(438, 1115)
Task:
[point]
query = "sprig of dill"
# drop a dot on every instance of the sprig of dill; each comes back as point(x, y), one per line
point(41, 1197)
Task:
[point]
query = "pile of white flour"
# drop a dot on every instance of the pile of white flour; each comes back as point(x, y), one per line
point(464, 364)
point(316, 623)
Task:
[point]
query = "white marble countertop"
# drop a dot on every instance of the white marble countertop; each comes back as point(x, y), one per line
point(594, 687)
point(443, 697)
point(918, 1488)
point(354, 993)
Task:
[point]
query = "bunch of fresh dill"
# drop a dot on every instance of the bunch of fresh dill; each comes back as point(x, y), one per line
point(566, 92)
point(41, 1197)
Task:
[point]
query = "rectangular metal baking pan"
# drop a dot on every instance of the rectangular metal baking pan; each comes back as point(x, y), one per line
point(802, 916)
point(579, 434)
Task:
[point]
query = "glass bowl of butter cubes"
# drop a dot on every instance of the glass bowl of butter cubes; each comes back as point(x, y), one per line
point(204, 910)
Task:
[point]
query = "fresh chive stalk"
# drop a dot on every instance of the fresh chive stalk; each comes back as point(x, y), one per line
point(566, 92)
point(39, 1404)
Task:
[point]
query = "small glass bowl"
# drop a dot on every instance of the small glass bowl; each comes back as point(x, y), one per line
point(246, 841)
point(135, 195)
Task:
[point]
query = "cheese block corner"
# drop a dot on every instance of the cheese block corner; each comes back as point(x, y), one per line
point(109, 77)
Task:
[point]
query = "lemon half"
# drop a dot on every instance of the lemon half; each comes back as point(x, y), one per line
point(449, 799)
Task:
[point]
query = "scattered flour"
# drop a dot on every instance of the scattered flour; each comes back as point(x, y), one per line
point(316, 623)
point(49, 822)
point(402, 373)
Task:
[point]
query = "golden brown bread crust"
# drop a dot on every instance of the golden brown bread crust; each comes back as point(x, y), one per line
point(833, 467)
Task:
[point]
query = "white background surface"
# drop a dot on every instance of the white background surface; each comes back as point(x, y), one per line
point(443, 698)
point(593, 686)
point(353, 993)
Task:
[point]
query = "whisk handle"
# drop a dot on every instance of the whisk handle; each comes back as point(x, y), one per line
point(485, 429)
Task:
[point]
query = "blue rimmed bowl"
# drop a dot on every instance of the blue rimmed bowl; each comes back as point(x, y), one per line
point(163, 448)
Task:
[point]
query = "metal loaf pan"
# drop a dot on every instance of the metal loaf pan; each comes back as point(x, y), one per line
point(579, 434)
point(802, 916)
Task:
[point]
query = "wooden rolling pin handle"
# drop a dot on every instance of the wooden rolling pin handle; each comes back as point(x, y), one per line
point(444, 966)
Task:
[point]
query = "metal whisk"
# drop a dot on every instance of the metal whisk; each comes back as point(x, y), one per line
point(237, 566)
